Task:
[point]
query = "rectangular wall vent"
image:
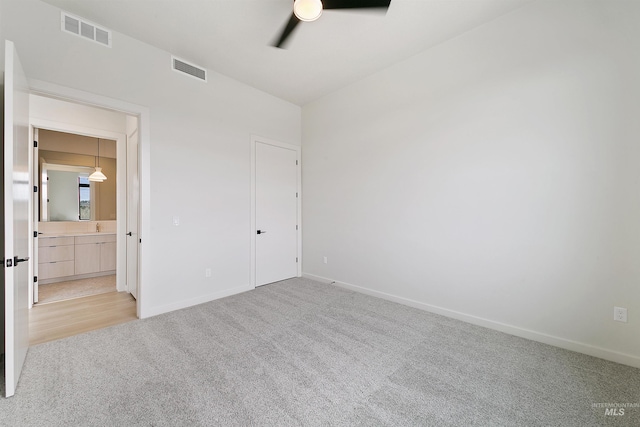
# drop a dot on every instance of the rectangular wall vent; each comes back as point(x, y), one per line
point(189, 69)
point(85, 29)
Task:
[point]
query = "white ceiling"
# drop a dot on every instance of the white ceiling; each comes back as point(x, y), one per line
point(234, 37)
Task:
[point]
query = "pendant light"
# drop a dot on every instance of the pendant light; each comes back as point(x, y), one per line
point(97, 176)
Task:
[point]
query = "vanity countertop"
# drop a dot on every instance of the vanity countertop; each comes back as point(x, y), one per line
point(76, 234)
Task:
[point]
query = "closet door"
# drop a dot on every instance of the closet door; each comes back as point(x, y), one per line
point(276, 213)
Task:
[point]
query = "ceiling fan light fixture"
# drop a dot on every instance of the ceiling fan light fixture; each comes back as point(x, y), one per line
point(307, 10)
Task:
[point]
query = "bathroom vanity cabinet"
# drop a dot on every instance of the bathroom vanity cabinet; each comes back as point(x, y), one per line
point(69, 257)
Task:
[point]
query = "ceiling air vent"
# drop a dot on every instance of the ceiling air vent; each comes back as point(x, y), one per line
point(192, 70)
point(85, 29)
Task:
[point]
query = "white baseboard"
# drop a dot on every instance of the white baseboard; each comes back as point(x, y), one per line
point(603, 353)
point(154, 311)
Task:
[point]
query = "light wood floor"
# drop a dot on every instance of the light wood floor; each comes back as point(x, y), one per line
point(62, 319)
point(78, 288)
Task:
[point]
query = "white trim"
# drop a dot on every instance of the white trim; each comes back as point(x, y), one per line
point(33, 215)
point(144, 159)
point(154, 311)
point(68, 168)
point(297, 149)
point(136, 132)
point(31, 226)
point(579, 347)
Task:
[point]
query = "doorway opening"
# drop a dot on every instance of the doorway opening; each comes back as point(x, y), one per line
point(21, 116)
point(77, 218)
point(85, 242)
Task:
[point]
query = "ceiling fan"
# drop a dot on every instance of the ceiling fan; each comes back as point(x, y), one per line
point(310, 10)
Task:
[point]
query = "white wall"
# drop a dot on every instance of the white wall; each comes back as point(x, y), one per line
point(199, 152)
point(57, 110)
point(493, 178)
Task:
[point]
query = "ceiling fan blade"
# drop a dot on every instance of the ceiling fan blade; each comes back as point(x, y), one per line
point(355, 4)
point(288, 29)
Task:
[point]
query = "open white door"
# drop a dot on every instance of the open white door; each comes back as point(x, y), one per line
point(133, 197)
point(276, 213)
point(17, 191)
point(35, 216)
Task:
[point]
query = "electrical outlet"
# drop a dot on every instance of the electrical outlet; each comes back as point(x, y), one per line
point(207, 272)
point(325, 260)
point(620, 314)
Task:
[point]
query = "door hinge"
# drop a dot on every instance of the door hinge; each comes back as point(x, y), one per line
point(9, 262)
point(296, 194)
point(296, 259)
point(296, 163)
point(35, 279)
point(35, 188)
point(296, 227)
point(35, 144)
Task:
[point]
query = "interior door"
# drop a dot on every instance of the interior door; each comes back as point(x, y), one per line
point(36, 212)
point(17, 191)
point(276, 212)
point(133, 197)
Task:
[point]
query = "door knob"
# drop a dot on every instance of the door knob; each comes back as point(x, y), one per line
point(17, 260)
point(129, 234)
point(260, 231)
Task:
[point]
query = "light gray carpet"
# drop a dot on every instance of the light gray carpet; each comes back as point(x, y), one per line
point(76, 289)
point(303, 353)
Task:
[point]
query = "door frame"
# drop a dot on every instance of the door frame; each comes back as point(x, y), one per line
point(33, 213)
point(121, 190)
point(143, 114)
point(129, 193)
point(298, 150)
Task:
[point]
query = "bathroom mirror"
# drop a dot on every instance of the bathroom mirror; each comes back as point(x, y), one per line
point(67, 194)
point(65, 162)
